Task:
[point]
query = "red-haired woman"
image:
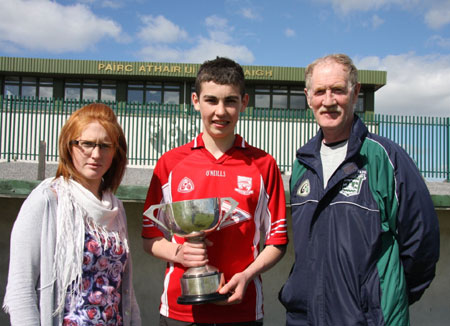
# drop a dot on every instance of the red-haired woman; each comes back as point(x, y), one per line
point(70, 262)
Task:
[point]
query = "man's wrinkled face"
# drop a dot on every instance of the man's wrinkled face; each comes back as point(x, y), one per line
point(332, 100)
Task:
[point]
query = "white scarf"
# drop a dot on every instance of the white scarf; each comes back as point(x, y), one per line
point(79, 211)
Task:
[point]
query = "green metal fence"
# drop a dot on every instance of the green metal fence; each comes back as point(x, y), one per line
point(152, 129)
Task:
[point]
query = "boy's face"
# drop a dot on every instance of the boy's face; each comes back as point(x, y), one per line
point(219, 107)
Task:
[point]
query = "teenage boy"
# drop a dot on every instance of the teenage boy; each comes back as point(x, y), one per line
point(219, 163)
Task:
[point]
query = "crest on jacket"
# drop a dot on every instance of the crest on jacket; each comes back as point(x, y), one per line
point(352, 185)
point(304, 189)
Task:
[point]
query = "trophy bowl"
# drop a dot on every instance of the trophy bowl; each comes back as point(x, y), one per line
point(194, 219)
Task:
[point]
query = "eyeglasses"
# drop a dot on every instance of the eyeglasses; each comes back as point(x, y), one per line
point(88, 146)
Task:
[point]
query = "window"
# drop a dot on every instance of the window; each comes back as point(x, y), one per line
point(28, 86)
point(279, 97)
point(262, 100)
point(154, 92)
point(45, 87)
point(108, 90)
point(108, 94)
point(72, 89)
point(12, 86)
point(262, 97)
point(359, 107)
point(297, 99)
point(171, 94)
point(135, 92)
point(90, 89)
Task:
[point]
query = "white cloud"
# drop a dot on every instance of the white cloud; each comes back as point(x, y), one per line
point(346, 6)
point(208, 49)
point(438, 17)
point(9, 48)
point(205, 49)
point(376, 21)
point(288, 32)
point(113, 4)
point(439, 41)
point(217, 22)
point(244, 8)
point(436, 12)
point(218, 29)
point(218, 43)
point(160, 29)
point(416, 85)
point(250, 13)
point(160, 53)
point(48, 26)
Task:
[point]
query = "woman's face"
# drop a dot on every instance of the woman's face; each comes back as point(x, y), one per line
point(92, 155)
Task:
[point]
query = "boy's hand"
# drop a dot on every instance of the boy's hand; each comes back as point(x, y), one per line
point(236, 287)
point(191, 254)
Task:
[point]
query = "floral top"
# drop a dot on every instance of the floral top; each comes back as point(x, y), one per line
point(100, 299)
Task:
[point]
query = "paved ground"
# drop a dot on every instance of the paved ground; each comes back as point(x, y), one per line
point(139, 176)
point(29, 171)
point(135, 176)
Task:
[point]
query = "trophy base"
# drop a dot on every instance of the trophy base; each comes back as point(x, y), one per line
point(200, 299)
point(200, 285)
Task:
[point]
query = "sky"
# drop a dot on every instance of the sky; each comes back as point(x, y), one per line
point(410, 39)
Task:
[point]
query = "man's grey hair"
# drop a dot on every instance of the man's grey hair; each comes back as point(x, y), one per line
point(342, 59)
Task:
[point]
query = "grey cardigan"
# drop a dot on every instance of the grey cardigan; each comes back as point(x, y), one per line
point(30, 292)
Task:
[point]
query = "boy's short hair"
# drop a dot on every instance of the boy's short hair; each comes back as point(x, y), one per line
point(222, 71)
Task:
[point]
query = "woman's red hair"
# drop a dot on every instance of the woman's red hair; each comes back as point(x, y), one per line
point(72, 129)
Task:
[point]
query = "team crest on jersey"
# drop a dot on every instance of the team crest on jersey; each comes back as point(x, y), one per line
point(244, 185)
point(304, 189)
point(185, 185)
point(352, 185)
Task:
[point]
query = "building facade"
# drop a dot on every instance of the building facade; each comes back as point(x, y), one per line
point(163, 83)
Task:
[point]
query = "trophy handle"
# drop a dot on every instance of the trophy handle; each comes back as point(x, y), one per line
point(149, 214)
point(233, 203)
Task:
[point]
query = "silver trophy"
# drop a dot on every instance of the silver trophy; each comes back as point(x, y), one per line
point(193, 220)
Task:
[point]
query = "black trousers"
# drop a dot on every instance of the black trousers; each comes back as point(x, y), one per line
point(164, 321)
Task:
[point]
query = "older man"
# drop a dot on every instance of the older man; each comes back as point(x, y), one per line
point(366, 235)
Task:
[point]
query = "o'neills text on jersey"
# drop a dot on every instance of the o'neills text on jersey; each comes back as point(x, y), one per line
point(216, 173)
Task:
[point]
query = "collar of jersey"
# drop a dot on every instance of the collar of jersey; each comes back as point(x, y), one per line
point(239, 142)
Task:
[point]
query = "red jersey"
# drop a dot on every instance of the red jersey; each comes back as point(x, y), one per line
point(251, 177)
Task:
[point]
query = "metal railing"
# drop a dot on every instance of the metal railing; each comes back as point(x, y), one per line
point(152, 129)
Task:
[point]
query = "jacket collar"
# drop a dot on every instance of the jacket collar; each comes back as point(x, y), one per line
point(309, 154)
